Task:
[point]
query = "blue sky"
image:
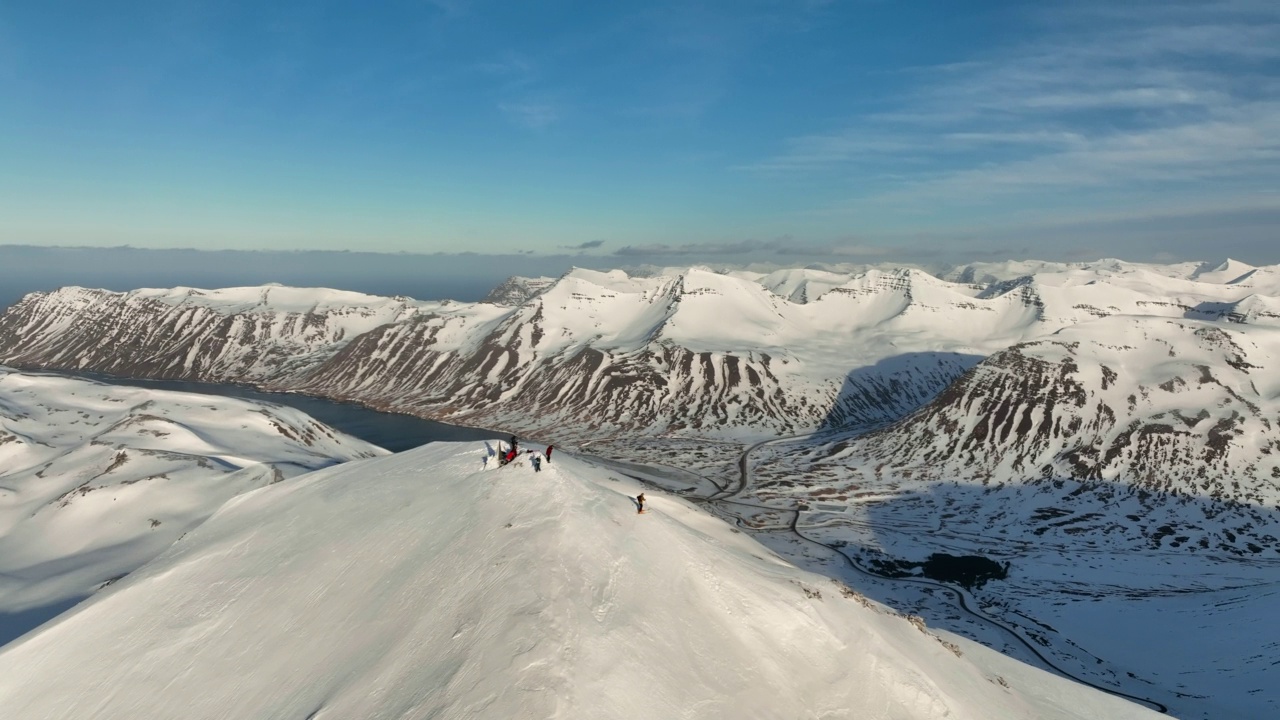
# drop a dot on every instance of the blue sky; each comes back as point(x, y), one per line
point(795, 130)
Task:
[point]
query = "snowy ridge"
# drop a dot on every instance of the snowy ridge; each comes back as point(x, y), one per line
point(1228, 272)
point(250, 334)
point(414, 586)
point(604, 352)
point(97, 479)
point(681, 351)
point(802, 286)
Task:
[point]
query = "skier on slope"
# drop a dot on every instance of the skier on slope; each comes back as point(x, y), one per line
point(549, 449)
point(640, 503)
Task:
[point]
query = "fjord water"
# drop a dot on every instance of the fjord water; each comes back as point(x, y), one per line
point(393, 431)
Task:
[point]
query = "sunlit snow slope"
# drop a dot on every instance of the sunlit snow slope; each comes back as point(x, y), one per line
point(96, 479)
point(418, 586)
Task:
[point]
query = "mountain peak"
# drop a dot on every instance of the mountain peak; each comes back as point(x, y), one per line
point(453, 593)
point(1227, 272)
point(516, 290)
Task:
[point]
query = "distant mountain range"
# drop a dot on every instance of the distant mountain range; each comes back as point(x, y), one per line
point(1089, 369)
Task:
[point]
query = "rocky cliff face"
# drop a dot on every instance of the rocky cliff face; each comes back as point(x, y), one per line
point(258, 335)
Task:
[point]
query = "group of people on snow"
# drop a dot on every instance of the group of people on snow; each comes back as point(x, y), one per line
point(512, 452)
point(535, 459)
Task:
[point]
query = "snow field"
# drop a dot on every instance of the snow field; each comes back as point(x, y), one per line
point(414, 586)
point(96, 480)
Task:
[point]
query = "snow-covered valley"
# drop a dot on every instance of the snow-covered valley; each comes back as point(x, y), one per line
point(1107, 432)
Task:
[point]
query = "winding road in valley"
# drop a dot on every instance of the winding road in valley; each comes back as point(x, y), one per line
point(744, 465)
point(725, 497)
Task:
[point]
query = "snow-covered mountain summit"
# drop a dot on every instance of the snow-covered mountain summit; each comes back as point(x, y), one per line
point(417, 586)
point(1227, 272)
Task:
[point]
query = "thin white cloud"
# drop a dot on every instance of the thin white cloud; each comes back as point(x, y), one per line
point(508, 66)
point(1040, 137)
point(531, 115)
point(753, 249)
point(1241, 144)
point(1180, 94)
point(861, 250)
point(1266, 204)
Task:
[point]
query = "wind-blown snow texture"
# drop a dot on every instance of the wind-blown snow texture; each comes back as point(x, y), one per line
point(96, 479)
point(415, 587)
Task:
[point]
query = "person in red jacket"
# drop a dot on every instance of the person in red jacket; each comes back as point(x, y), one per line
point(548, 453)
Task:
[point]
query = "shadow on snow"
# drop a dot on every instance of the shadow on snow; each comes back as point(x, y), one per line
point(893, 388)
